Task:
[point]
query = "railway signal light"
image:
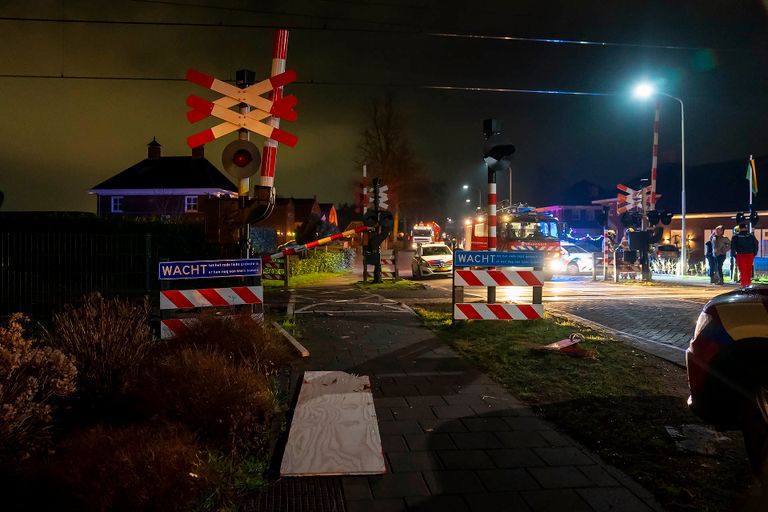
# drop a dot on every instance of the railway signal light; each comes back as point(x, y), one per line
point(241, 158)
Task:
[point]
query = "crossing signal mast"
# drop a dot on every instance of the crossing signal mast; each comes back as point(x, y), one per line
point(252, 113)
point(381, 221)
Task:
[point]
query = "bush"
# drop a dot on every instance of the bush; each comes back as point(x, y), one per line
point(145, 467)
point(31, 379)
point(108, 339)
point(228, 404)
point(241, 338)
point(321, 261)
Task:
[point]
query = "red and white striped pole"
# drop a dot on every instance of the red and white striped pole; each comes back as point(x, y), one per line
point(655, 158)
point(322, 241)
point(269, 153)
point(491, 224)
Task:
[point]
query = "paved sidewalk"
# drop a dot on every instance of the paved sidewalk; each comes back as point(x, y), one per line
point(454, 440)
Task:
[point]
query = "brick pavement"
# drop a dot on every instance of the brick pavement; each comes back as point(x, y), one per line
point(667, 323)
point(455, 440)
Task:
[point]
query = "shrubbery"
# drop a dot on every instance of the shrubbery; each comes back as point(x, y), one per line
point(108, 339)
point(178, 425)
point(143, 467)
point(226, 403)
point(32, 378)
point(241, 338)
point(322, 261)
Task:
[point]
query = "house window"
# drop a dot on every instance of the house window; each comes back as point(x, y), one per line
point(576, 214)
point(190, 203)
point(117, 204)
point(590, 214)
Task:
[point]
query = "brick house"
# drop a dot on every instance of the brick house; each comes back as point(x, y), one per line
point(165, 186)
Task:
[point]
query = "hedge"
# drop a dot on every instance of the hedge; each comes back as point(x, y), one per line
point(331, 261)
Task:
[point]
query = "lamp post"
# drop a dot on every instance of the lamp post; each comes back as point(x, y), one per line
point(467, 187)
point(646, 90)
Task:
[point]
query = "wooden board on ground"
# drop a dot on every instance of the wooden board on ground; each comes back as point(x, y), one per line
point(334, 429)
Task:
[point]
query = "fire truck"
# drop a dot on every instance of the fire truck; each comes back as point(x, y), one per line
point(518, 228)
point(424, 233)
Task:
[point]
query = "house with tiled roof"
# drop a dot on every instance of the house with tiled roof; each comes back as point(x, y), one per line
point(167, 186)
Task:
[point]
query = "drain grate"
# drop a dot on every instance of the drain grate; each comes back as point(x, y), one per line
point(305, 494)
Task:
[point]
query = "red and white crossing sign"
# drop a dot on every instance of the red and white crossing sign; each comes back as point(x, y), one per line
point(233, 121)
point(631, 199)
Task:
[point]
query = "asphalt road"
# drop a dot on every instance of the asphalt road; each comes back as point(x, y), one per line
point(658, 317)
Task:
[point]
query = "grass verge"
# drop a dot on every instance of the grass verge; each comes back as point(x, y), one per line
point(617, 403)
point(305, 280)
point(390, 284)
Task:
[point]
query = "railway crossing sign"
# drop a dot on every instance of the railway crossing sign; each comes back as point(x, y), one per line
point(631, 199)
point(233, 121)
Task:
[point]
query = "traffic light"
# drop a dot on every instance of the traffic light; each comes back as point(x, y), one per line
point(631, 219)
point(654, 216)
point(499, 156)
point(241, 159)
point(666, 218)
point(497, 152)
point(386, 220)
point(754, 218)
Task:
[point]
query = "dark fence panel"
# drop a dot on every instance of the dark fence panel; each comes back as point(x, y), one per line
point(41, 271)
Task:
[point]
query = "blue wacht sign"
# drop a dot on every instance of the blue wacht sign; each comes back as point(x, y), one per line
point(498, 259)
point(168, 270)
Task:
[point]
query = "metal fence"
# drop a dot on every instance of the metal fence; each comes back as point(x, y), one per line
point(42, 271)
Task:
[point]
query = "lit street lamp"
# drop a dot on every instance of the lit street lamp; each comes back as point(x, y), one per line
point(467, 187)
point(646, 90)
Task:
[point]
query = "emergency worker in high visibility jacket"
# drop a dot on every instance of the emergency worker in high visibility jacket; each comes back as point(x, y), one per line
point(744, 246)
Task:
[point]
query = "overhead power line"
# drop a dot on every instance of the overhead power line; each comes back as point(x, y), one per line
point(536, 40)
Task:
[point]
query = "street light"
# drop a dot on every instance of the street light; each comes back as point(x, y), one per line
point(646, 90)
point(467, 187)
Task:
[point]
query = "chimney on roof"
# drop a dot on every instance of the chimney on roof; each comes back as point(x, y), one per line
point(198, 152)
point(153, 149)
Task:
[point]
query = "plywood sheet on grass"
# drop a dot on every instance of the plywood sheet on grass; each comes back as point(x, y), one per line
point(334, 429)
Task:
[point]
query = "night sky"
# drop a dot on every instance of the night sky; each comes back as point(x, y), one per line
point(123, 69)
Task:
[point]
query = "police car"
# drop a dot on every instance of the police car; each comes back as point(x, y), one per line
point(727, 362)
point(432, 259)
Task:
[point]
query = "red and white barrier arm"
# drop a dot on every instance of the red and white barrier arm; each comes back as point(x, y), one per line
point(269, 153)
point(655, 156)
point(322, 241)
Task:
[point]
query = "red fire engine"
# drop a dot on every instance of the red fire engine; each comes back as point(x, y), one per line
point(519, 228)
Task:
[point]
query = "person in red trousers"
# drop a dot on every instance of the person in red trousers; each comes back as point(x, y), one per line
point(744, 246)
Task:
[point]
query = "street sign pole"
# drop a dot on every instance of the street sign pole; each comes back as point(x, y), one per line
point(491, 224)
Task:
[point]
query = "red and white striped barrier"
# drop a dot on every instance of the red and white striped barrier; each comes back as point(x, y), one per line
point(322, 241)
point(480, 311)
point(174, 327)
point(211, 297)
point(499, 278)
point(276, 271)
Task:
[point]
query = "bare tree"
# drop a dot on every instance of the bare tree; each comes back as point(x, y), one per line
point(387, 152)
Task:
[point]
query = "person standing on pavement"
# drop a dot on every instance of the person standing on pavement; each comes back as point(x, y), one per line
point(711, 262)
point(744, 247)
point(721, 244)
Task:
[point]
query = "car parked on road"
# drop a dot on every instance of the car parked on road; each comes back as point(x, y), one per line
point(574, 260)
point(432, 259)
point(727, 362)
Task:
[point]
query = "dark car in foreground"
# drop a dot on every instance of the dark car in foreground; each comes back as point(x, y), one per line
point(727, 363)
